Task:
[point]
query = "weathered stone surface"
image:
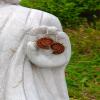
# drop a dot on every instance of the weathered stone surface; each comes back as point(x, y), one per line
point(21, 76)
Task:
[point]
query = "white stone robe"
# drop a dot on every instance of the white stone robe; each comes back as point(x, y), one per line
point(19, 78)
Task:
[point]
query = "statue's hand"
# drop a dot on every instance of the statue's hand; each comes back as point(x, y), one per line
point(45, 58)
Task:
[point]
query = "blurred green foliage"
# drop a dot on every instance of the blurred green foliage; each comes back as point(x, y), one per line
point(67, 11)
point(83, 72)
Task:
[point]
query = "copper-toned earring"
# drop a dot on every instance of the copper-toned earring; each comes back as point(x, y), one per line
point(57, 48)
point(44, 42)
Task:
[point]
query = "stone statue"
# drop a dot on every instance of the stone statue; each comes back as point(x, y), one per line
point(25, 72)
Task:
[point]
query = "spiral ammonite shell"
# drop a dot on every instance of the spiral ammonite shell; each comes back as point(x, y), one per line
point(44, 42)
point(57, 48)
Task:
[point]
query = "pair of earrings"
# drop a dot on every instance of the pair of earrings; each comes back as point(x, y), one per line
point(49, 43)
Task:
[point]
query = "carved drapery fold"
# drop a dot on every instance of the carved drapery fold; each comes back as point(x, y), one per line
point(9, 1)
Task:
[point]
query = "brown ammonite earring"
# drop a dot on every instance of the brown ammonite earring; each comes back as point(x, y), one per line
point(57, 48)
point(44, 43)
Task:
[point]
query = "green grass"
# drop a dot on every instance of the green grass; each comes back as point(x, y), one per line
point(83, 71)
